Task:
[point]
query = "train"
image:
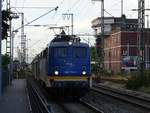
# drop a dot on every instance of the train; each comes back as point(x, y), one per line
point(64, 65)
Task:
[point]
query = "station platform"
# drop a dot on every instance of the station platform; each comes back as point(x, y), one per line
point(15, 98)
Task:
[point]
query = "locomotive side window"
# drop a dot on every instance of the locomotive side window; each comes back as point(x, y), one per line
point(79, 52)
point(60, 52)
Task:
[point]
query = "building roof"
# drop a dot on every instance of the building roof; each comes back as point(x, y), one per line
point(115, 23)
point(113, 20)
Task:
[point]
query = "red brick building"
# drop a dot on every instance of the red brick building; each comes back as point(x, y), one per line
point(121, 43)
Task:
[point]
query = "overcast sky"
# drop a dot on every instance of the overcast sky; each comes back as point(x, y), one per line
point(84, 12)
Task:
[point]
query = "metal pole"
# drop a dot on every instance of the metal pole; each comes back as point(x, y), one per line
point(0, 49)
point(147, 21)
point(22, 40)
point(11, 60)
point(72, 22)
point(121, 7)
point(100, 50)
point(102, 19)
point(68, 31)
point(102, 33)
point(12, 54)
point(27, 50)
point(141, 38)
point(9, 44)
point(10, 38)
point(70, 14)
point(22, 37)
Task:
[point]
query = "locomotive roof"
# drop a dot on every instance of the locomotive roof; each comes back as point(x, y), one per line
point(77, 44)
point(63, 40)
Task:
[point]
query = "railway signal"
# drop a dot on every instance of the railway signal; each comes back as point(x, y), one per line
point(5, 26)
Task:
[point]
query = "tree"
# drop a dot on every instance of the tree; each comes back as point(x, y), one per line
point(93, 53)
point(93, 59)
point(5, 61)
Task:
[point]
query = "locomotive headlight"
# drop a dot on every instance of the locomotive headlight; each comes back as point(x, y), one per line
point(70, 43)
point(56, 72)
point(84, 72)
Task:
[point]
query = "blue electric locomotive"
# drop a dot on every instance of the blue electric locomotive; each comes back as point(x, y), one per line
point(64, 64)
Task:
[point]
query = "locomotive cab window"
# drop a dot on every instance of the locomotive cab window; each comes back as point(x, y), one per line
point(79, 52)
point(60, 52)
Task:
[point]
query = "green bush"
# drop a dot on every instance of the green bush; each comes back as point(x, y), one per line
point(147, 78)
point(135, 82)
point(93, 68)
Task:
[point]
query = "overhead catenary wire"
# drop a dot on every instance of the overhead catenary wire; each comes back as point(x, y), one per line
point(108, 13)
point(37, 18)
point(84, 8)
point(61, 3)
point(32, 7)
point(112, 6)
point(75, 3)
point(55, 9)
point(69, 9)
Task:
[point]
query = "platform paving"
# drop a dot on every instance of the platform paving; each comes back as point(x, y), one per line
point(15, 98)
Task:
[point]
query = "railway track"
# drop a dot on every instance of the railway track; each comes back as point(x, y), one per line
point(126, 97)
point(79, 107)
point(37, 102)
point(91, 106)
point(41, 104)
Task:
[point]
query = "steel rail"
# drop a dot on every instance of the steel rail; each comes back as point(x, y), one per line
point(123, 92)
point(37, 102)
point(117, 94)
point(91, 106)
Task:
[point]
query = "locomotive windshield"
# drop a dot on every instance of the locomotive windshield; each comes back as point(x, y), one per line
point(60, 52)
point(79, 52)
